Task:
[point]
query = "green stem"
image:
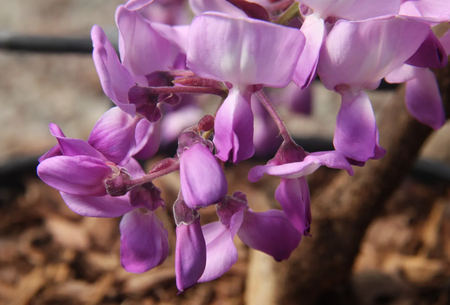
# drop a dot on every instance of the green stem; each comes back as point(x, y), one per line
point(288, 15)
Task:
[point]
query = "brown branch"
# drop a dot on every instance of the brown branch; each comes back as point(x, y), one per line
point(342, 213)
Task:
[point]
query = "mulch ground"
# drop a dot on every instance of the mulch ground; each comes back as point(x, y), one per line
point(50, 255)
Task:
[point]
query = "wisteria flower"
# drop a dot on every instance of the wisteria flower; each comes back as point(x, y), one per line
point(292, 164)
point(356, 56)
point(243, 52)
point(269, 232)
point(80, 170)
point(202, 178)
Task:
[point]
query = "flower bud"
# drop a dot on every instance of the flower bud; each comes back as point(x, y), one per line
point(203, 181)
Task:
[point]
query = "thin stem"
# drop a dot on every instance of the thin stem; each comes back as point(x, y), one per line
point(152, 176)
point(274, 114)
point(291, 13)
point(187, 90)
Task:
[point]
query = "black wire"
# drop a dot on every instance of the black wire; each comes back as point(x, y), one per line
point(48, 44)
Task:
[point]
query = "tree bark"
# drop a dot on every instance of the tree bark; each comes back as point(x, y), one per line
point(344, 210)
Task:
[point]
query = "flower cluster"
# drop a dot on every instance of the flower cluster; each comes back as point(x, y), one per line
point(234, 49)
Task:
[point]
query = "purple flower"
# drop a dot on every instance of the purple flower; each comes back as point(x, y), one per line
point(190, 250)
point(145, 48)
point(79, 169)
point(203, 181)
point(243, 52)
point(435, 11)
point(422, 97)
point(269, 232)
point(356, 56)
point(320, 15)
point(292, 164)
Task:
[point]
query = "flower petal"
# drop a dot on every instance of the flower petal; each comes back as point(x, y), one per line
point(353, 9)
point(201, 6)
point(221, 252)
point(360, 54)
point(314, 30)
point(269, 232)
point(134, 5)
point(243, 51)
point(98, 206)
point(148, 138)
point(79, 175)
point(113, 136)
point(142, 49)
point(190, 255)
point(431, 54)
point(438, 10)
point(233, 128)
point(293, 196)
point(144, 242)
point(114, 78)
point(310, 164)
point(423, 99)
point(203, 181)
point(355, 135)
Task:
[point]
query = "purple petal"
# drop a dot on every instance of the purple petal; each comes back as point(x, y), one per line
point(114, 78)
point(310, 164)
point(134, 5)
point(190, 255)
point(353, 10)
point(355, 135)
point(445, 41)
point(201, 6)
point(203, 181)
point(177, 35)
point(243, 51)
point(113, 135)
point(293, 196)
point(352, 53)
point(73, 147)
point(439, 10)
point(79, 175)
point(269, 232)
point(142, 49)
point(431, 54)
point(233, 128)
point(423, 99)
point(401, 75)
point(134, 168)
point(76, 147)
point(55, 150)
point(314, 30)
point(144, 242)
point(221, 252)
point(148, 137)
point(101, 206)
point(52, 152)
point(177, 121)
point(56, 131)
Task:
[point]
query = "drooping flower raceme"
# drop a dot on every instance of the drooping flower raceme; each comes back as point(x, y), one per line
point(234, 53)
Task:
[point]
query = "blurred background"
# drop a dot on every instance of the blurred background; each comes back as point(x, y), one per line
point(50, 255)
